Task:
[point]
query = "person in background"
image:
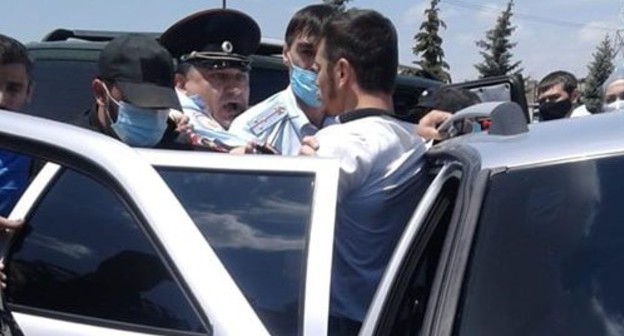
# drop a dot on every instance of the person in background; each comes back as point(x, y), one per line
point(557, 95)
point(16, 89)
point(134, 94)
point(613, 88)
point(213, 49)
point(379, 156)
point(283, 119)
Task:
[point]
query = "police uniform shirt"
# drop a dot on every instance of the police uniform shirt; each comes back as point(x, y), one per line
point(277, 121)
point(204, 125)
point(381, 165)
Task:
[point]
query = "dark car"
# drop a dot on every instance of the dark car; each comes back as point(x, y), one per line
point(66, 63)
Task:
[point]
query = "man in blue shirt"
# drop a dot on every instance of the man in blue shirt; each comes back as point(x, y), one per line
point(282, 120)
point(15, 94)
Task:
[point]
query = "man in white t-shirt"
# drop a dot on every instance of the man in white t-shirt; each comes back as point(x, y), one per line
point(381, 159)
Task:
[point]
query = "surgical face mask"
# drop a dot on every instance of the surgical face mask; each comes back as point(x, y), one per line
point(555, 110)
point(303, 84)
point(137, 126)
point(613, 106)
point(198, 101)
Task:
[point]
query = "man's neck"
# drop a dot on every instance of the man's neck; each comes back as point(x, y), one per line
point(376, 100)
point(315, 115)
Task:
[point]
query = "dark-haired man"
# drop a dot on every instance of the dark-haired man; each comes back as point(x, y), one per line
point(380, 158)
point(283, 119)
point(16, 87)
point(134, 92)
point(557, 96)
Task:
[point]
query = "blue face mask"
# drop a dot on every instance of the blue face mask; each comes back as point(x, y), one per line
point(139, 127)
point(303, 84)
point(198, 102)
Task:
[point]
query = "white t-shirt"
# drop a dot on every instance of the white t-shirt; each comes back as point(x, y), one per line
point(381, 163)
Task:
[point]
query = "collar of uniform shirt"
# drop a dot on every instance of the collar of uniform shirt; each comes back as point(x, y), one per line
point(368, 112)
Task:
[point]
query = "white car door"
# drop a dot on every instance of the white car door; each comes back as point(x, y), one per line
point(270, 219)
point(108, 249)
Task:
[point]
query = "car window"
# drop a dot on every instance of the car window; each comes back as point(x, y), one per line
point(415, 279)
point(258, 225)
point(68, 104)
point(547, 257)
point(85, 254)
point(264, 82)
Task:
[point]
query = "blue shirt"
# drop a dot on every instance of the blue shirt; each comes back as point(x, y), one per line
point(277, 121)
point(14, 175)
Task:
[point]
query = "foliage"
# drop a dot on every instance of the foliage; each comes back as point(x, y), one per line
point(599, 70)
point(428, 44)
point(340, 4)
point(497, 48)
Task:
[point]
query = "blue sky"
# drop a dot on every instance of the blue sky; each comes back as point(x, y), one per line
point(551, 34)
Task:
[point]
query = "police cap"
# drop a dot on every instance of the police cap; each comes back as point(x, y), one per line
point(215, 38)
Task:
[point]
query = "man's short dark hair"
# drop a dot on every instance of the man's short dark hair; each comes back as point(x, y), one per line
point(566, 79)
point(446, 98)
point(308, 21)
point(14, 52)
point(368, 41)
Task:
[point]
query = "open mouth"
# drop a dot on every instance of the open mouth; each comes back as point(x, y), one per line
point(233, 107)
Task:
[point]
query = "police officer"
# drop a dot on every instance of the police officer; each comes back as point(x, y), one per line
point(285, 118)
point(212, 75)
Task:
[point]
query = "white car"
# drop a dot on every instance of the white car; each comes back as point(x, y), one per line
point(110, 248)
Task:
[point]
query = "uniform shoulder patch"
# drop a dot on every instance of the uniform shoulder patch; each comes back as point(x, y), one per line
point(266, 119)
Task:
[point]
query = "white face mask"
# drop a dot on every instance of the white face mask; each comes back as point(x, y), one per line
point(616, 105)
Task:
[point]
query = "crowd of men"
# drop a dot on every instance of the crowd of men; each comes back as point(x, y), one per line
point(190, 90)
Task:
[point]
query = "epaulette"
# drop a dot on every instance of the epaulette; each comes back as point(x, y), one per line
point(267, 119)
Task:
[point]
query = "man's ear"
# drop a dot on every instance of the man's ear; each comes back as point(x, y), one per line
point(180, 82)
point(344, 72)
point(575, 96)
point(99, 91)
point(285, 57)
point(29, 92)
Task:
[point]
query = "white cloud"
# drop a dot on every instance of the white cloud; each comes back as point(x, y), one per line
point(489, 13)
point(228, 231)
point(72, 250)
point(592, 32)
point(415, 14)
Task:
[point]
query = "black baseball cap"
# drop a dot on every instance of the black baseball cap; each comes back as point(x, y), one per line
point(217, 38)
point(142, 70)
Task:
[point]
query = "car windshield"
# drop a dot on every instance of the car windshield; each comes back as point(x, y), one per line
point(548, 257)
point(257, 223)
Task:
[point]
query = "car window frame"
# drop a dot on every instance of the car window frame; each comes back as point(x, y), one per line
point(321, 229)
point(376, 317)
point(144, 192)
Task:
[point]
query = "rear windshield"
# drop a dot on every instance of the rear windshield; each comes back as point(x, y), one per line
point(548, 258)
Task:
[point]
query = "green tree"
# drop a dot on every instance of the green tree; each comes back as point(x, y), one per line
point(428, 44)
point(497, 47)
point(340, 4)
point(599, 70)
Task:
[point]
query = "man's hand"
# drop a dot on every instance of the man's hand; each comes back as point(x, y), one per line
point(8, 225)
point(309, 146)
point(428, 125)
point(181, 120)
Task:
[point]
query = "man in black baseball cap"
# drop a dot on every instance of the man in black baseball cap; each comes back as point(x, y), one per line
point(212, 77)
point(134, 91)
